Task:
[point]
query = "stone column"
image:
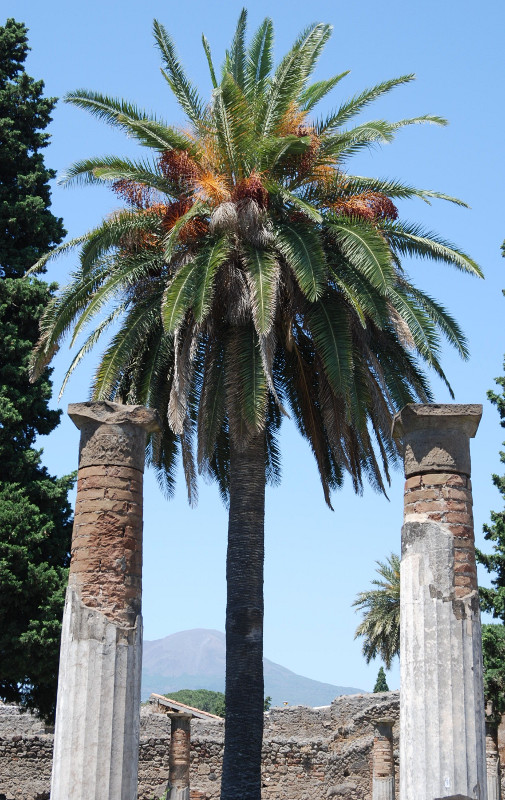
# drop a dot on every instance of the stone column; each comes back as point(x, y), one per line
point(96, 740)
point(442, 737)
point(179, 756)
point(492, 763)
point(383, 770)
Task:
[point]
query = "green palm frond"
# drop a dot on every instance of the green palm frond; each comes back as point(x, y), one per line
point(178, 297)
point(133, 332)
point(349, 185)
point(259, 61)
point(156, 135)
point(171, 241)
point(61, 250)
point(357, 103)
point(413, 240)
point(114, 232)
point(432, 119)
point(206, 47)
point(233, 125)
point(365, 250)
point(212, 406)
point(302, 250)
point(311, 96)
point(59, 315)
point(263, 271)
point(119, 279)
point(175, 76)
point(207, 261)
point(328, 322)
point(114, 111)
point(90, 343)
point(443, 320)
point(111, 168)
point(290, 76)
point(237, 56)
point(246, 384)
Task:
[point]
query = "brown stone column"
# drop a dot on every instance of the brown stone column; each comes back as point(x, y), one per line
point(179, 756)
point(442, 739)
point(492, 762)
point(383, 772)
point(97, 716)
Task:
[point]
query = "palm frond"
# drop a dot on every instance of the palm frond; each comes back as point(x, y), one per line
point(186, 94)
point(259, 61)
point(365, 249)
point(357, 103)
point(413, 240)
point(263, 275)
point(301, 248)
point(237, 54)
point(311, 96)
point(107, 109)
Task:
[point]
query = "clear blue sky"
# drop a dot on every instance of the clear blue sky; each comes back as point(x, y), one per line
point(316, 561)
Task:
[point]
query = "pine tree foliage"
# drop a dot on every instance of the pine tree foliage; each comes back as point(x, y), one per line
point(380, 627)
point(493, 599)
point(381, 684)
point(35, 515)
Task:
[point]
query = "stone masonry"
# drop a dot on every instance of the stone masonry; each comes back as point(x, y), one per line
point(442, 703)
point(96, 741)
point(308, 754)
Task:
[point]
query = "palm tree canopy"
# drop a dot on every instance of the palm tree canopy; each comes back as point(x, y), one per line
point(380, 627)
point(250, 275)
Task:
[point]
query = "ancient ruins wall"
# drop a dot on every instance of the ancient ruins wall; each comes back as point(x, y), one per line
point(308, 753)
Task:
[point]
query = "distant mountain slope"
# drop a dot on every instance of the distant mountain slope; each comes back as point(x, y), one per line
point(195, 659)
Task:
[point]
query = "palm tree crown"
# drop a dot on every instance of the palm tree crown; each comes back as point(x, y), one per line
point(251, 272)
point(380, 627)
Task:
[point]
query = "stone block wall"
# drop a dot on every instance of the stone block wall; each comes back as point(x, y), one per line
point(309, 753)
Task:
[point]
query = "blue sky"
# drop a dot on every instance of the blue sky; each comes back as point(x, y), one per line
point(316, 560)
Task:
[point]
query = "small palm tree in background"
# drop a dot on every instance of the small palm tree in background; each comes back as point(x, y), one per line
point(380, 627)
point(249, 276)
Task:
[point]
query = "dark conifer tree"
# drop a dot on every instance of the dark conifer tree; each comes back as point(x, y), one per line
point(35, 516)
point(381, 684)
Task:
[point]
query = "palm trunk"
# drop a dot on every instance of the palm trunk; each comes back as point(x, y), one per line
point(244, 624)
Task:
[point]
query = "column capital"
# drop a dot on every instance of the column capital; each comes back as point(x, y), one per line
point(112, 433)
point(436, 437)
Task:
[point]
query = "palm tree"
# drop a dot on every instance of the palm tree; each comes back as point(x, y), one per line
point(250, 273)
point(380, 627)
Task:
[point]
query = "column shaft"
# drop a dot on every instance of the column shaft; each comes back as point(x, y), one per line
point(179, 757)
point(442, 741)
point(383, 770)
point(97, 715)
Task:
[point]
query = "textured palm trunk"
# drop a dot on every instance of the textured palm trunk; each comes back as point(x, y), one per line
point(244, 625)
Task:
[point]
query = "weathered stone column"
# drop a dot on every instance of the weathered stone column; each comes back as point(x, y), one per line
point(492, 762)
point(442, 737)
point(97, 717)
point(383, 770)
point(179, 756)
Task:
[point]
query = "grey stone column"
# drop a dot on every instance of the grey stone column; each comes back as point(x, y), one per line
point(442, 737)
point(383, 765)
point(96, 739)
point(179, 756)
point(493, 763)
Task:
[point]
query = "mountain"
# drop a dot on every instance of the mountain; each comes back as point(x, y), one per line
point(195, 659)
